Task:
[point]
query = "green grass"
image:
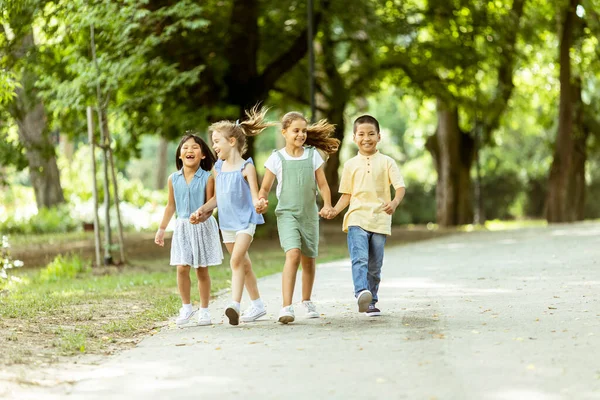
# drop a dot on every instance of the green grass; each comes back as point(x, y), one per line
point(68, 308)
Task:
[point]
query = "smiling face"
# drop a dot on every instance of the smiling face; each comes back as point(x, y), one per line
point(366, 137)
point(295, 133)
point(222, 145)
point(191, 153)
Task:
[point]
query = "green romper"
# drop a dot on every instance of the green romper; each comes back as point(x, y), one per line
point(297, 213)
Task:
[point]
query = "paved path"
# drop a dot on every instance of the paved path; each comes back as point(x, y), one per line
point(489, 315)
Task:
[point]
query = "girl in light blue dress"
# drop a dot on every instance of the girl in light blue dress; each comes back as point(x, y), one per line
point(236, 200)
point(195, 243)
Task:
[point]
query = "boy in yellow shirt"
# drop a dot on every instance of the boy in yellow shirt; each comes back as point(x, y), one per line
point(365, 186)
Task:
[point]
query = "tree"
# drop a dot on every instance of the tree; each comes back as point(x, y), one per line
point(464, 56)
point(567, 183)
point(21, 56)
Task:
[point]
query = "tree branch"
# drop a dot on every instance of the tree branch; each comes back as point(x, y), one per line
point(289, 58)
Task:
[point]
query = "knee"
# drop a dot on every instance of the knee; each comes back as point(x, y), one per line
point(202, 274)
point(183, 270)
point(293, 255)
point(236, 262)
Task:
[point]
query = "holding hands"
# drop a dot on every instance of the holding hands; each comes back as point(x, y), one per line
point(327, 212)
point(261, 205)
point(199, 216)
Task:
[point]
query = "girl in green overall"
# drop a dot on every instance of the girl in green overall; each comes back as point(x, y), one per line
point(299, 169)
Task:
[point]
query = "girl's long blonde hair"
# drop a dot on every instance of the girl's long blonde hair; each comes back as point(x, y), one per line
point(317, 135)
point(252, 126)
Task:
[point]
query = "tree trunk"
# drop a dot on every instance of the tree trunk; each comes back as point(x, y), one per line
point(566, 183)
point(335, 116)
point(161, 173)
point(30, 115)
point(453, 152)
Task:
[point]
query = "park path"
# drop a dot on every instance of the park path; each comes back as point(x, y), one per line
point(484, 315)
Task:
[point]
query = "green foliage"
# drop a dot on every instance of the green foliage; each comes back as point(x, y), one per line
point(6, 262)
point(47, 220)
point(64, 268)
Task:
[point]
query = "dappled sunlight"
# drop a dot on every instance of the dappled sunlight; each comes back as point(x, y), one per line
point(584, 231)
point(523, 394)
point(443, 289)
point(69, 293)
point(583, 283)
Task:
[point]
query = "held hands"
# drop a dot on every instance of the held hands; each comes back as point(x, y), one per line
point(159, 239)
point(261, 205)
point(327, 212)
point(199, 216)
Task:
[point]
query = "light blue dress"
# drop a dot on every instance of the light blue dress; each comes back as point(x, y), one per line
point(234, 200)
point(193, 244)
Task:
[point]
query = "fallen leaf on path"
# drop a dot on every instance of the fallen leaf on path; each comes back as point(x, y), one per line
point(181, 344)
point(552, 308)
point(217, 348)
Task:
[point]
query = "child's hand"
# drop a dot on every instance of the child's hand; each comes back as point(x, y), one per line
point(159, 239)
point(389, 207)
point(193, 218)
point(261, 205)
point(327, 212)
point(202, 216)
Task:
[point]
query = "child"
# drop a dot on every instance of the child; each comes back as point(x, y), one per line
point(365, 186)
point(192, 245)
point(299, 168)
point(236, 199)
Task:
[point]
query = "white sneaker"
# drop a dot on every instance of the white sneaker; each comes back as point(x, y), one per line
point(253, 313)
point(364, 299)
point(233, 313)
point(204, 318)
point(311, 309)
point(286, 315)
point(184, 316)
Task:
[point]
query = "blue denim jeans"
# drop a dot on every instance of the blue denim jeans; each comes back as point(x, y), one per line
point(366, 253)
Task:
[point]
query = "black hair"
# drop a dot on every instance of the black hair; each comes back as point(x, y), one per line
point(209, 158)
point(366, 119)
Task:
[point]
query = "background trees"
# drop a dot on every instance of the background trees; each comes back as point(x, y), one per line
point(490, 105)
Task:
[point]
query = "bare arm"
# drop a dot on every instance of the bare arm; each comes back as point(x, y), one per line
point(250, 175)
point(167, 215)
point(342, 203)
point(267, 184)
point(323, 186)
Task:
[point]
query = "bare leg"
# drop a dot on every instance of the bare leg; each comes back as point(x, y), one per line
point(288, 278)
point(184, 283)
point(308, 276)
point(250, 279)
point(203, 285)
point(238, 251)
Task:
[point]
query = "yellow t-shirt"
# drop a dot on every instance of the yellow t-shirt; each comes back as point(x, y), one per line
point(367, 180)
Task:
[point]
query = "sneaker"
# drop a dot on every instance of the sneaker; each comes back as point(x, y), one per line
point(253, 313)
point(364, 299)
point(311, 309)
point(373, 311)
point(204, 318)
point(184, 316)
point(233, 313)
point(286, 315)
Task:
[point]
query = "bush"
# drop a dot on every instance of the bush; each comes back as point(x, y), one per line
point(47, 220)
point(6, 261)
point(63, 267)
point(418, 206)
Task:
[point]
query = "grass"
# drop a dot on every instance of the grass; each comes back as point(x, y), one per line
point(66, 308)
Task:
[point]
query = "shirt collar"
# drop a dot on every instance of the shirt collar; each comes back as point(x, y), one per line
point(371, 156)
point(198, 172)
